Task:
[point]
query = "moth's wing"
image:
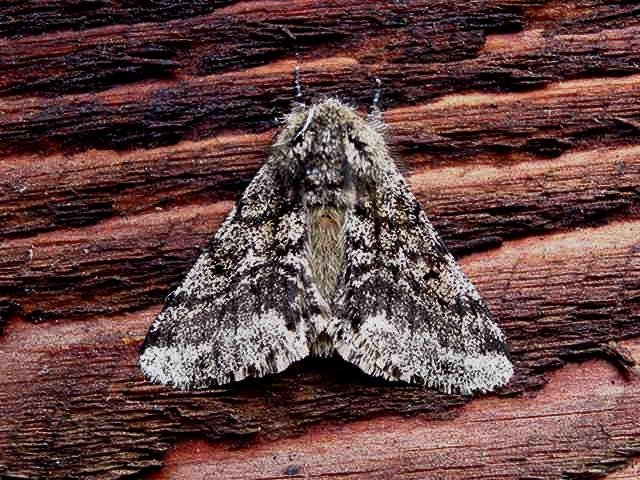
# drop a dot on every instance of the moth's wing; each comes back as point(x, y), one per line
point(241, 311)
point(406, 311)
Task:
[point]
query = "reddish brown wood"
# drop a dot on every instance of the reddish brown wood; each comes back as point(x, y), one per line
point(245, 34)
point(74, 272)
point(127, 130)
point(76, 388)
point(149, 115)
point(586, 411)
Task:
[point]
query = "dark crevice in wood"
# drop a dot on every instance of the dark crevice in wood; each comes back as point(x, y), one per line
point(19, 18)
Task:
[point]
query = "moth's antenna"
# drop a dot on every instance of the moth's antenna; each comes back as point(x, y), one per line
point(376, 96)
point(375, 105)
point(296, 83)
point(300, 101)
point(312, 112)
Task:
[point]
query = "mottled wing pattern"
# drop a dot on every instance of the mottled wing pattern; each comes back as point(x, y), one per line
point(406, 310)
point(242, 309)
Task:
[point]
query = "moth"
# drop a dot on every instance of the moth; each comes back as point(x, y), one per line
point(327, 251)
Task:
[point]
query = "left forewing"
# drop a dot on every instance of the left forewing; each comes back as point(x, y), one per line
point(244, 308)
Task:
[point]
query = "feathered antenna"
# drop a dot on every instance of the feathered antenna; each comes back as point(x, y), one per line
point(296, 83)
point(375, 112)
point(299, 101)
point(374, 118)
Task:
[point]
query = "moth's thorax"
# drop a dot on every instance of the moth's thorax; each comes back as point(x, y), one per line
point(326, 175)
point(328, 151)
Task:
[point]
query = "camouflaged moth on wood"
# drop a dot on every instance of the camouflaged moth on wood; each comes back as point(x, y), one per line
point(327, 251)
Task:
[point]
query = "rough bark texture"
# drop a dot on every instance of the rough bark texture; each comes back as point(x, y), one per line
point(127, 129)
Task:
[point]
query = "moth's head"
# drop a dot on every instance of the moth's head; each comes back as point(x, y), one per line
point(330, 145)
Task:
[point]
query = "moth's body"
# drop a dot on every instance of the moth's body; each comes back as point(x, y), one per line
point(327, 251)
point(328, 194)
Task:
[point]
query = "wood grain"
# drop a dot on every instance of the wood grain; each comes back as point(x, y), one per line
point(74, 272)
point(556, 297)
point(128, 129)
point(586, 411)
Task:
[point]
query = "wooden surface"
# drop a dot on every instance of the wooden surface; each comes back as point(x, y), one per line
point(127, 130)
point(514, 434)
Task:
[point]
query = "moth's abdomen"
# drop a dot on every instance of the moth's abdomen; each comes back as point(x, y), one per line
point(326, 249)
point(325, 256)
